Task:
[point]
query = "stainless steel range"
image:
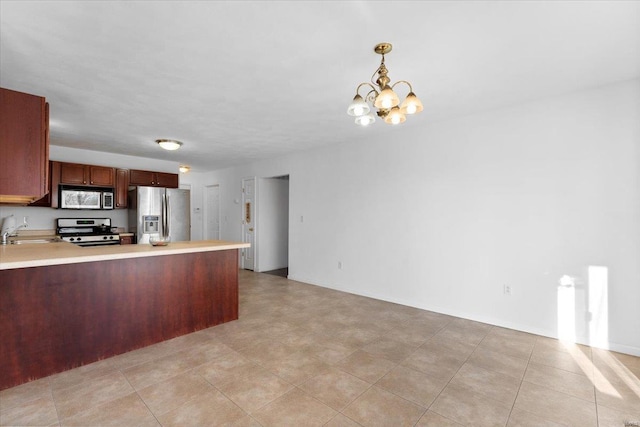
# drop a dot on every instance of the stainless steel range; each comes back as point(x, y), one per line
point(87, 231)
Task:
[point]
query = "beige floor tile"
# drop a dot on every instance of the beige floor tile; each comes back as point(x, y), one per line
point(454, 347)
point(431, 419)
point(365, 366)
point(389, 349)
point(157, 370)
point(520, 418)
point(494, 385)
point(617, 394)
point(412, 385)
point(210, 408)
point(226, 368)
point(246, 421)
point(35, 412)
point(83, 373)
point(126, 410)
point(468, 408)
point(509, 342)
point(254, 391)
point(335, 388)
point(545, 343)
point(24, 393)
point(435, 361)
point(560, 380)
point(355, 336)
point(341, 421)
point(267, 351)
point(166, 395)
point(497, 362)
point(377, 407)
point(298, 367)
point(72, 400)
point(140, 356)
point(574, 359)
point(558, 407)
point(466, 333)
point(412, 333)
point(332, 352)
point(608, 417)
point(616, 368)
point(296, 408)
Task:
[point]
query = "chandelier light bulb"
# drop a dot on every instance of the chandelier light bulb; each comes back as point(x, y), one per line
point(411, 104)
point(358, 107)
point(365, 120)
point(395, 117)
point(387, 99)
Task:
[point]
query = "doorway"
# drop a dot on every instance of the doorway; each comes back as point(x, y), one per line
point(273, 225)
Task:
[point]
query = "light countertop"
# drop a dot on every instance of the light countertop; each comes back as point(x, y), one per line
point(41, 254)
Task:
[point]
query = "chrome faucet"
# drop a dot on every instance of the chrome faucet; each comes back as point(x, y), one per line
point(11, 232)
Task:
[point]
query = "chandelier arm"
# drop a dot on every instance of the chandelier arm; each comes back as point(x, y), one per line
point(366, 84)
point(402, 81)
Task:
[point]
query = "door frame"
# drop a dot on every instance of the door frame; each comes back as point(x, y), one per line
point(255, 222)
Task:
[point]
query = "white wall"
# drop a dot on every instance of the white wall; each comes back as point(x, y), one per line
point(272, 224)
point(40, 218)
point(445, 214)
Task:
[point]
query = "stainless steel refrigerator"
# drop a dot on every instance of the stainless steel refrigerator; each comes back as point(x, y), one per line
point(160, 211)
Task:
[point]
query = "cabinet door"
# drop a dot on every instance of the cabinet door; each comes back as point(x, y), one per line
point(144, 178)
point(25, 147)
point(167, 180)
point(73, 173)
point(103, 176)
point(51, 199)
point(122, 188)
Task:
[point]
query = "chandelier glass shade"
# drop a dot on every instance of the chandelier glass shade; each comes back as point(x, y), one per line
point(382, 97)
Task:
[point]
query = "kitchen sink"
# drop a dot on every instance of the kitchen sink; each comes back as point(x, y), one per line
point(31, 241)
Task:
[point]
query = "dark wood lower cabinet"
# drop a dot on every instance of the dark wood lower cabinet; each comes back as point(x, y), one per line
point(59, 317)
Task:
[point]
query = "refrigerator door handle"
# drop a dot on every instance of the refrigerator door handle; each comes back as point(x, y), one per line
point(167, 216)
point(163, 213)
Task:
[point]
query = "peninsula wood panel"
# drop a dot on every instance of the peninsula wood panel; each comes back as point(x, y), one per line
point(55, 318)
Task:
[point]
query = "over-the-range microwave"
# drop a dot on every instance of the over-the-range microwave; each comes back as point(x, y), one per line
point(86, 198)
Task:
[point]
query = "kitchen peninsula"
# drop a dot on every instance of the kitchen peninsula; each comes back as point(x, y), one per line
point(63, 306)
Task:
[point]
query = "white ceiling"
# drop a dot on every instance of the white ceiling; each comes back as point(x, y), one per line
point(245, 80)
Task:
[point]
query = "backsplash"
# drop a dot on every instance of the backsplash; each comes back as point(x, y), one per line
point(42, 218)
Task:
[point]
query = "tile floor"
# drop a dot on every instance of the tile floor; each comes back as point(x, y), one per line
point(301, 355)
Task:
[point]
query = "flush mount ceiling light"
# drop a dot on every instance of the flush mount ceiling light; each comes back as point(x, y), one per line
point(184, 168)
point(169, 144)
point(383, 97)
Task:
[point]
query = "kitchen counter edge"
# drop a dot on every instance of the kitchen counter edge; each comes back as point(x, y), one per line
point(38, 255)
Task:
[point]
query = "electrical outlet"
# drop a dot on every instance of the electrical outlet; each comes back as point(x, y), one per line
point(507, 289)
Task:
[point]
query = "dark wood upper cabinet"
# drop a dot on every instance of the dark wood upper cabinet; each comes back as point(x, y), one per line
point(87, 175)
point(168, 180)
point(122, 188)
point(153, 179)
point(51, 198)
point(24, 155)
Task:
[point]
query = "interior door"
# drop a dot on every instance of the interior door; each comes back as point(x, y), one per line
point(248, 222)
point(212, 212)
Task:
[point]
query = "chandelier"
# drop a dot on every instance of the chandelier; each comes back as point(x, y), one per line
point(383, 97)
